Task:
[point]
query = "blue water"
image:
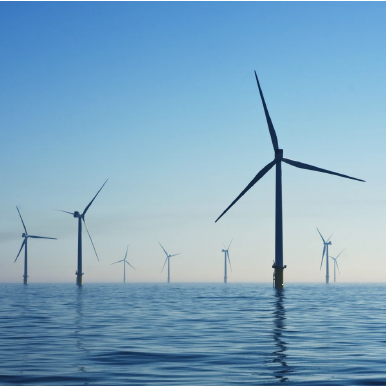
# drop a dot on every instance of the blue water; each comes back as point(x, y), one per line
point(192, 334)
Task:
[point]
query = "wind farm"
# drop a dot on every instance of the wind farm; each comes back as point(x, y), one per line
point(209, 121)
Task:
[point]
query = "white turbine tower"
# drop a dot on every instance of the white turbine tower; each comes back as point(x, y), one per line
point(124, 265)
point(167, 260)
point(226, 255)
point(336, 265)
point(325, 251)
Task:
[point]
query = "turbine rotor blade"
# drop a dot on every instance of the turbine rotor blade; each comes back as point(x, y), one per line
point(64, 211)
point(130, 265)
point(164, 264)
point(324, 250)
point(175, 254)
point(224, 245)
point(40, 237)
point(270, 125)
point(321, 235)
point(163, 249)
point(230, 266)
point(302, 165)
point(337, 266)
point(88, 206)
point(126, 252)
point(258, 176)
point(90, 238)
point(229, 244)
point(340, 253)
point(117, 262)
point(329, 238)
point(22, 245)
point(22, 220)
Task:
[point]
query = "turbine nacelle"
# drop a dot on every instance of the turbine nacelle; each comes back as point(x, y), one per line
point(224, 250)
point(279, 154)
point(77, 214)
point(24, 235)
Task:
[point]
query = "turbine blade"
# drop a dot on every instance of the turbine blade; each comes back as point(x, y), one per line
point(341, 253)
point(175, 254)
point(270, 125)
point(130, 265)
point(40, 237)
point(258, 176)
point(224, 245)
point(321, 235)
point(64, 211)
point(164, 265)
point(337, 266)
point(301, 165)
point(126, 252)
point(120, 261)
point(22, 245)
point(22, 220)
point(329, 238)
point(163, 249)
point(324, 250)
point(229, 244)
point(88, 206)
point(90, 238)
point(229, 261)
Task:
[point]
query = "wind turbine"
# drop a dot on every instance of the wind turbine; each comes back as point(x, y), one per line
point(325, 251)
point(81, 217)
point(24, 244)
point(167, 260)
point(124, 265)
point(336, 264)
point(226, 254)
point(279, 264)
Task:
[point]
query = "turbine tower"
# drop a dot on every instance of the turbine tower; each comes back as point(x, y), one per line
point(226, 254)
point(325, 252)
point(167, 260)
point(81, 217)
point(124, 265)
point(279, 261)
point(336, 265)
point(24, 244)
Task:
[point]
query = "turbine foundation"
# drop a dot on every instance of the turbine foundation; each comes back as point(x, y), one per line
point(25, 279)
point(79, 279)
point(278, 276)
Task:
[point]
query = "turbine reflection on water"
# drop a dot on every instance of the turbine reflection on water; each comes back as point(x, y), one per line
point(279, 354)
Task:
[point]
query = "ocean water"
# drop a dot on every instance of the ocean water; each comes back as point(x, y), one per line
point(192, 334)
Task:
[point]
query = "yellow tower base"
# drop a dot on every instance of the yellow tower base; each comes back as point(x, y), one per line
point(79, 279)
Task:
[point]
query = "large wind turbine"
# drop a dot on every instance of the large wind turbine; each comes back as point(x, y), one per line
point(325, 252)
point(279, 264)
point(336, 265)
point(124, 265)
point(81, 217)
point(24, 244)
point(226, 254)
point(167, 260)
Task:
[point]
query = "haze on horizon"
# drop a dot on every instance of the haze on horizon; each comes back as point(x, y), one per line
point(161, 99)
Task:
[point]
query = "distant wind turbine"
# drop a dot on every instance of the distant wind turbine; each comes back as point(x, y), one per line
point(124, 265)
point(336, 265)
point(81, 217)
point(279, 263)
point(167, 260)
point(226, 255)
point(24, 244)
point(325, 252)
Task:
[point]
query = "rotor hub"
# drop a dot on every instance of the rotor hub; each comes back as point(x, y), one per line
point(76, 214)
point(279, 154)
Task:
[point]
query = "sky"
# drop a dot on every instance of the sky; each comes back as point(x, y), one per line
point(160, 98)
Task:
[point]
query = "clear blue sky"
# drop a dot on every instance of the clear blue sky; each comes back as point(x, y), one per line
point(161, 99)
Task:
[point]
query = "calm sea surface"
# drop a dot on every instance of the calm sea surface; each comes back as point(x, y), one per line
point(192, 334)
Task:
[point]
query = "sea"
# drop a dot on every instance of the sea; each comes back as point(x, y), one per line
point(192, 334)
